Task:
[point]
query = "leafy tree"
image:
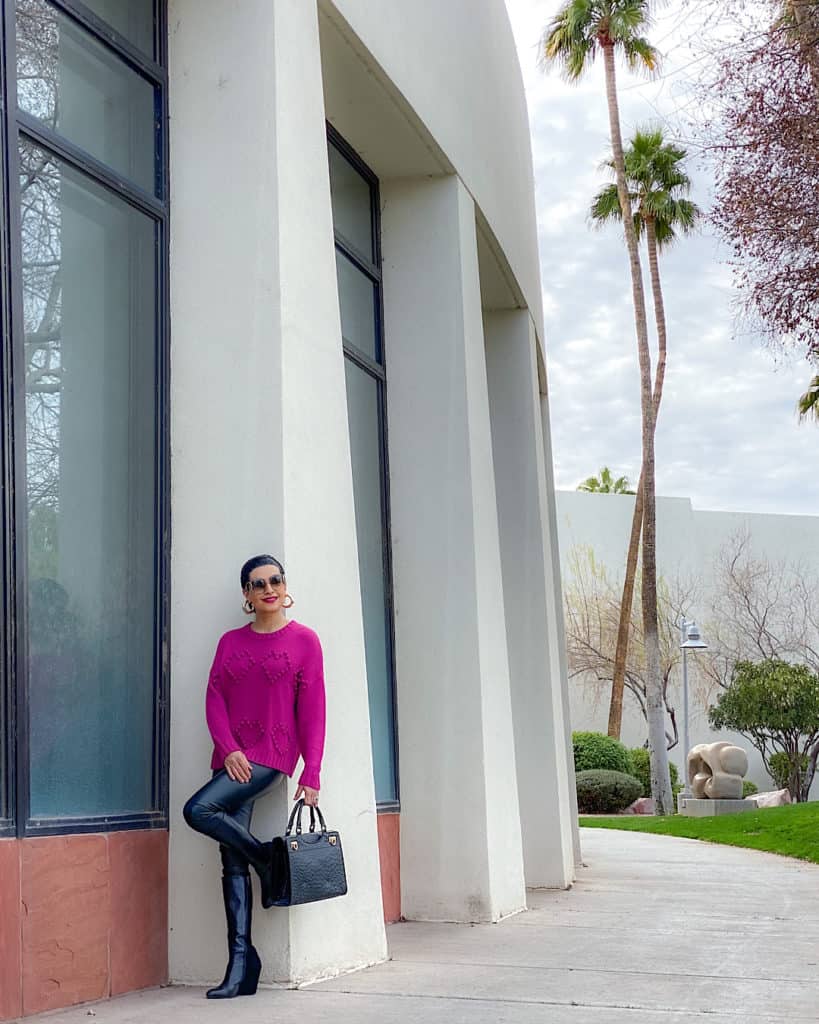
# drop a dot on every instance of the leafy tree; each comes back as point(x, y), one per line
point(776, 706)
point(658, 188)
point(579, 32)
point(605, 483)
point(783, 767)
point(762, 129)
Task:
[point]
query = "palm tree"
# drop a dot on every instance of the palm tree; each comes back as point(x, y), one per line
point(809, 402)
point(580, 31)
point(605, 483)
point(658, 186)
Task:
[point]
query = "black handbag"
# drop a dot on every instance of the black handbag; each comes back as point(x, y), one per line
point(307, 866)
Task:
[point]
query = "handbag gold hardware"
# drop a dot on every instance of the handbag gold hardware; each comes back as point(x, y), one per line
point(332, 840)
point(294, 845)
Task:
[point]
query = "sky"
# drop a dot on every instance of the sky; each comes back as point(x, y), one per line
point(728, 436)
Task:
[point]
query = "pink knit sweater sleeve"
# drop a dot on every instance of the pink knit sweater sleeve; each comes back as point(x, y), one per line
point(311, 716)
point(216, 710)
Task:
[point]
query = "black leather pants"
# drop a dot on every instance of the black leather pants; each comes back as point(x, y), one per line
point(222, 809)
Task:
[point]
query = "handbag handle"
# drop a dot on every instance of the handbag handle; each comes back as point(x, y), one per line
point(295, 816)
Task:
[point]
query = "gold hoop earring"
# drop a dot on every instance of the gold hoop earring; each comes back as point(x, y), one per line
point(287, 598)
point(247, 607)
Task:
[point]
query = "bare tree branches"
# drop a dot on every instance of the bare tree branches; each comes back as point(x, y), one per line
point(592, 601)
point(761, 609)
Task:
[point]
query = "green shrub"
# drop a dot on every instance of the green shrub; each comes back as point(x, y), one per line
point(605, 792)
point(595, 750)
point(781, 764)
point(642, 771)
point(749, 788)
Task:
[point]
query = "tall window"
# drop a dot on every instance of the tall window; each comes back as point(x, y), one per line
point(358, 265)
point(85, 354)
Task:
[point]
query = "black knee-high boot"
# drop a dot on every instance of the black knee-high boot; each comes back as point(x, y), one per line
point(244, 965)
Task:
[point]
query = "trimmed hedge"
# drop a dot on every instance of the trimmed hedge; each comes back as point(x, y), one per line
point(593, 750)
point(605, 792)
point(642, 771)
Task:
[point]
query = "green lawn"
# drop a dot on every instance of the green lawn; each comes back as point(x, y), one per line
point(791, 831)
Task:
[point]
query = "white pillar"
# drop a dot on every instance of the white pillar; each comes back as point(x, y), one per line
point(461, 853)
point(319, 511)
point(530, 587)
point(557, 618)
point(260, 451)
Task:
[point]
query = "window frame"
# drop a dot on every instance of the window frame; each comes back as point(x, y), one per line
point(375, 368)
point(17, 125)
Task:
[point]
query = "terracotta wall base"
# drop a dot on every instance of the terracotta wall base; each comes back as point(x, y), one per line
point(389, 850)
point(81, 917)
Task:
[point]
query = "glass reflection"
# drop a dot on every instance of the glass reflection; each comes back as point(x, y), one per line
point(133, 19)
point(365, 450)
point(352, 204)
point(78, 88)
point(357, 298)
point(90, 366)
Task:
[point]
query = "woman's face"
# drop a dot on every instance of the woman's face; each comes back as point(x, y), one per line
point(269, 597)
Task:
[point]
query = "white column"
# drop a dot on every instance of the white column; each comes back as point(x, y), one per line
point(461, 855)
point(557, 618)
point(319, 512)
point(260, 453)
point(531, 587)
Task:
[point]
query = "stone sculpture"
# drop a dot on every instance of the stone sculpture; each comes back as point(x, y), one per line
point(715, 771)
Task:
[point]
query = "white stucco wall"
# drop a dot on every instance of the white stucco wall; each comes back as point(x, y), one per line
point(529, 590)
point(688, 546)
point(455, 67)
point(260, 451)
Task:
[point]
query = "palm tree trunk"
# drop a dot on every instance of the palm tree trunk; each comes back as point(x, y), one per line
point(624, 626)
point(618, 682)
point(659, 314)
point(655, 707)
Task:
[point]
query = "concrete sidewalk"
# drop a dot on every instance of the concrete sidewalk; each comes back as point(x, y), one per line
point(656, 929)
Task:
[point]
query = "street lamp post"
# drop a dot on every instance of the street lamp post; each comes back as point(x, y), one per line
point(690, 640)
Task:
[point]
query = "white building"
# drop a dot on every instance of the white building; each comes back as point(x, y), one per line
point(690, 545)
point(309, 270)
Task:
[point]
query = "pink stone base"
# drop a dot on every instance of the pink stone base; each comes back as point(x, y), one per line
point(11, 986)
point(81, 918)
point(389, 851)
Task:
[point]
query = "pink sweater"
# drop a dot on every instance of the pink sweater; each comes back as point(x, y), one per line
point(266, 697)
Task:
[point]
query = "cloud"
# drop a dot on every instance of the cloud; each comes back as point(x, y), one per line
point(728, 435)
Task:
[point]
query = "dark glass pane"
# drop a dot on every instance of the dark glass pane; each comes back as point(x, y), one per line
point(5, 689)
point(88, 264)
point(77, 87)
point(357, 297)
point(5, 723)
point(365, 446)
point(133, 19)
point(352, 209)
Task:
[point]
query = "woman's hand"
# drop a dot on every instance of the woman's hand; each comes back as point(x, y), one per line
point(238, 767)
point(310, 796)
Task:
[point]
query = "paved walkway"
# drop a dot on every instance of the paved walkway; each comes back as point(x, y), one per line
point(655, 930)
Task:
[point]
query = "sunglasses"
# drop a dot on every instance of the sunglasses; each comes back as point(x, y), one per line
point(274, 581)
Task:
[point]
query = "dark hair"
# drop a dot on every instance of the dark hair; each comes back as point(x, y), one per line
point(254, 563)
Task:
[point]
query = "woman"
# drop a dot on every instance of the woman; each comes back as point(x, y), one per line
point(265, 707)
